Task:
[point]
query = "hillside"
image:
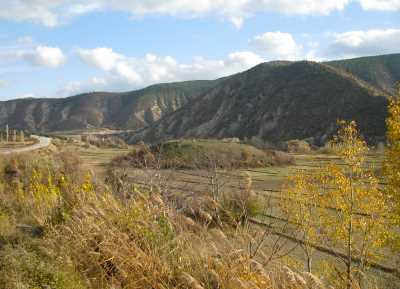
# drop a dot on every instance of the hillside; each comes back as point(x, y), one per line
point(130, 110)
point(277, 101)
point(380, 71)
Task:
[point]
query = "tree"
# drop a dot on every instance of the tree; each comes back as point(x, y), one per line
point(392, 154)
point(391, 166)
point(361, 223)
point(300, 206)
point(343, 200)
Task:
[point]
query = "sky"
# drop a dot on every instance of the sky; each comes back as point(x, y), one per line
point(59, 48)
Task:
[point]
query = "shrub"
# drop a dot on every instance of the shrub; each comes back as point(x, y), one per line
point(22, 267)
point(298, 146)
point(237, 207)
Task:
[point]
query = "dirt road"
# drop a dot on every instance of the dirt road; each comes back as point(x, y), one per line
point(43, 143)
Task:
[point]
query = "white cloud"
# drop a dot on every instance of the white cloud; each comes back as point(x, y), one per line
point(25, 49)
point(102, 58)
point(51, 57)
point(39, 11)
point(276, 45)
point(244, 59)
point(380, 5)
point(49, 12)
point(107, 60)
point(362, 43)
point(123, 72)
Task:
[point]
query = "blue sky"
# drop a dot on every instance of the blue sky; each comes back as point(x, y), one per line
point(57, 48)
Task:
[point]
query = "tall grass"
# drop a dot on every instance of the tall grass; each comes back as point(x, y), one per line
point(66, 232)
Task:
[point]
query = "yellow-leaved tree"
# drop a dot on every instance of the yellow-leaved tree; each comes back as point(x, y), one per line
point(392, 153)
point(360, 222)
point(391, 166)
point(299, 204)
point(341, 204)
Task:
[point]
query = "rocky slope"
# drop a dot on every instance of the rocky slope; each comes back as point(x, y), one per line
point(380, 71)
point(277, 101)
point(130, 110)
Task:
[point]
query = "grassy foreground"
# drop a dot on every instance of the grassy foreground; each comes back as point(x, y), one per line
point(62, 228)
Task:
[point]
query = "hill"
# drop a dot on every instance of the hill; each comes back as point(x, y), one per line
point(380, 71)
point(277, 101)
point(201, 154)
point(130, 110)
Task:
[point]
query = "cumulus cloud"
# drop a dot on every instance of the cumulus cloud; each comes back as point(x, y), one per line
point(51, 57)
point(25, 49)
point(362, 43)
point(278, 45)
point(49, 12)
point(380, 5)
point(125, 72)
point(102, 58)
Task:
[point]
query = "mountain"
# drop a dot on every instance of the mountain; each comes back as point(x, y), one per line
point(130, 110)
point(380, 71)
point(273, 101)
point(277, 101)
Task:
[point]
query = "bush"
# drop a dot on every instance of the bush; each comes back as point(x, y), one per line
point(298, 146)
point(237, 207)
point(22, 267)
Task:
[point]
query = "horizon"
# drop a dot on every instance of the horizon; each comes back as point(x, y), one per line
point(67, 48)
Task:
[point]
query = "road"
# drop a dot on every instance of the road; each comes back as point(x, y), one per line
point(43, 143)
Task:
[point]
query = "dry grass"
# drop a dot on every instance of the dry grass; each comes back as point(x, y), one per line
point(59, 230)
